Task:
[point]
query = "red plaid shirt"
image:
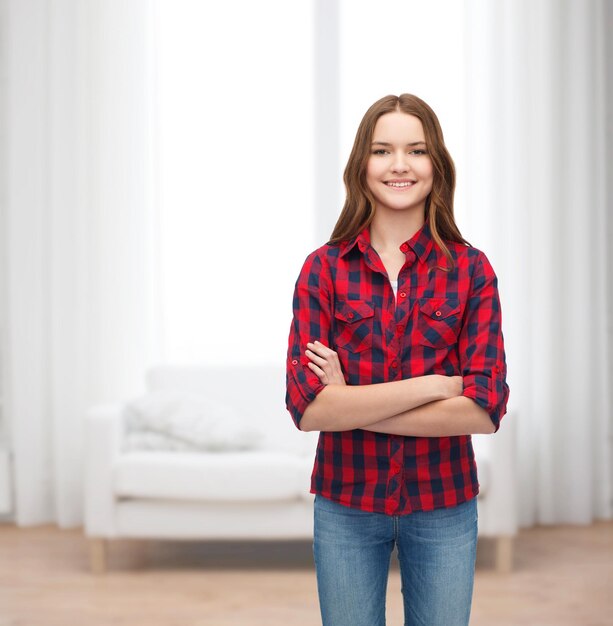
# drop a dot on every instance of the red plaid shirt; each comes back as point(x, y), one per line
point(440, 323)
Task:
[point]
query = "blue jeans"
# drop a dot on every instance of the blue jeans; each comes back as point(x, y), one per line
point(436, 551)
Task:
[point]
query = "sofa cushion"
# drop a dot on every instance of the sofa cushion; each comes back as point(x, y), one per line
point(255, 393)
point(167, 419)
point(229, 476)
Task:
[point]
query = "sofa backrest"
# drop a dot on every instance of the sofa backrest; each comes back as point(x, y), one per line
point(257, 393)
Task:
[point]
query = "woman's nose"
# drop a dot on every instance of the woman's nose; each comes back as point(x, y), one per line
point(400, 163)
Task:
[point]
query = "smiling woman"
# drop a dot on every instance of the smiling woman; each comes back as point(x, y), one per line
point(397, 173)
point(400, 56)
point(396, 356)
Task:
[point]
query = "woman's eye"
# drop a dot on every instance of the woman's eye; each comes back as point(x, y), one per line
point(383, 151)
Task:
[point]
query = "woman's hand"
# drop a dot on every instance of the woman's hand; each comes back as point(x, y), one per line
point(324, 362)
point(454, 386)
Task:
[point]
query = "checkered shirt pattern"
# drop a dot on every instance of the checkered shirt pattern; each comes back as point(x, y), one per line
point(438, 323)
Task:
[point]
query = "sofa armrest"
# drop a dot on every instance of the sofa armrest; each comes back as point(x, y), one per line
point(498, 510)
point(103, 436)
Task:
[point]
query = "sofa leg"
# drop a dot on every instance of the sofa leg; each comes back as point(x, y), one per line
point(98, 555)
point(504, 554)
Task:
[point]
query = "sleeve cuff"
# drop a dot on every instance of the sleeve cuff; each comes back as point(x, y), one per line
point(302, 388)
point(490, 392)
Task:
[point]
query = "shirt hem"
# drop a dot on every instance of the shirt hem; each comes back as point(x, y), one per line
point(461, 500)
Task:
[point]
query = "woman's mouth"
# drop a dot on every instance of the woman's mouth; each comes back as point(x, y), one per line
point(399, 184)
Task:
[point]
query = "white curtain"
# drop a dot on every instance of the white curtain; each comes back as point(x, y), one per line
point(235, 144)
point(536, 183)
point(81, 223)
point(79, 233)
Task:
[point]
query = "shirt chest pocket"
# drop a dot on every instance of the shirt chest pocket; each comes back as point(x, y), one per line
point(438, 322)
point(354, 320)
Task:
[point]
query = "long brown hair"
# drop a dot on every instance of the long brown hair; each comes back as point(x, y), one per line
point(359, 208)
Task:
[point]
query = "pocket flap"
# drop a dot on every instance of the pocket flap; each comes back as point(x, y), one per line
point(353, 310)
point(439, 308)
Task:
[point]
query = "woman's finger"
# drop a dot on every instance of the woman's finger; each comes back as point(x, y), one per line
point(316, 359)
point(333, 358)
point(316, 349)
point(325, 363)
point(319, 372)
point(325, 350)
point(320, 349)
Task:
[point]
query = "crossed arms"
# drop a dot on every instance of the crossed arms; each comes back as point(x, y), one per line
point(425, 406)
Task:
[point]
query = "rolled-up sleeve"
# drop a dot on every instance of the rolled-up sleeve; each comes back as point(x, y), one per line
point(311, 321)
point(481, 346)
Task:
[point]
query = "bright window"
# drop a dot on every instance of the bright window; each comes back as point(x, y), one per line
point(235, 174)
point(237, 148)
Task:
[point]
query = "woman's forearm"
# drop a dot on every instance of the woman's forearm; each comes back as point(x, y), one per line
point(441, 418)
point(340, 407)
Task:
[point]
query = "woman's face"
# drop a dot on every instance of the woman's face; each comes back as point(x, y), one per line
point(399, 171)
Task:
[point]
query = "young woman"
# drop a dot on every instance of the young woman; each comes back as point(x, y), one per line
point(396, 355)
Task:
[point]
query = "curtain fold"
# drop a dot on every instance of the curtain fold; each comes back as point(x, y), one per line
point(81, 234)
point(536, 197)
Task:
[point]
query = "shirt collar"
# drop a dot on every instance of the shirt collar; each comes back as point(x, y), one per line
point(421, 242)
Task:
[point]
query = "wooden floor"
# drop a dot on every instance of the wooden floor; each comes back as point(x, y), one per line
point(562, 576)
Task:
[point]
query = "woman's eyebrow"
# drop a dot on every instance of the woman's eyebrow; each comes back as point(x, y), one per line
point(384, 143)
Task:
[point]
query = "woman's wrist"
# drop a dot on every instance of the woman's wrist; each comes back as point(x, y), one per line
point(446, 387)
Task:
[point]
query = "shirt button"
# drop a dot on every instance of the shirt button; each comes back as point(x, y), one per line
point(294, 362)
point(404, 247)
point(394, 364)
point(438, 314)
point(400, 328)
point(402, 294)
point(350, 316)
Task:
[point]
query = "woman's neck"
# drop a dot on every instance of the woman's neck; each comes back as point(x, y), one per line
point(388, 230)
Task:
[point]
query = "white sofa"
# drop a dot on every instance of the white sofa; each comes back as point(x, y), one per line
point(250, 494)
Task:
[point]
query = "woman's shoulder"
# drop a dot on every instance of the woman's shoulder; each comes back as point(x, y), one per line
point(463, 250)
point(470, 257)
point(326, 253)
point(317, 263)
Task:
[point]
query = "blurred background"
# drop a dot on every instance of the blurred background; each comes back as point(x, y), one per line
point(166, 166)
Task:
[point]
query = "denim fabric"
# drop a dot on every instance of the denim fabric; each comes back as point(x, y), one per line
point(436, 552)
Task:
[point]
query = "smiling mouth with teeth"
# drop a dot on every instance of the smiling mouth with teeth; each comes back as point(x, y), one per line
point(401, 184)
